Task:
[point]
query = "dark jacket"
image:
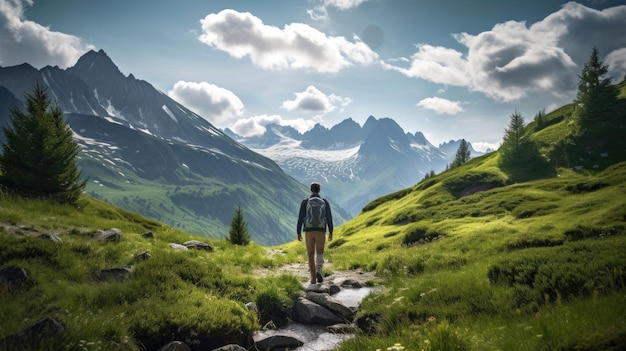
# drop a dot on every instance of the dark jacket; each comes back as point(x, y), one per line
point(302, 215)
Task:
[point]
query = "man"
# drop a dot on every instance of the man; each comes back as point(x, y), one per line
point(314, 218)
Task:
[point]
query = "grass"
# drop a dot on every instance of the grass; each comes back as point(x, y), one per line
point(469, 260)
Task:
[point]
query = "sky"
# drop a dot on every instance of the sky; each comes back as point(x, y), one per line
point(450, 69)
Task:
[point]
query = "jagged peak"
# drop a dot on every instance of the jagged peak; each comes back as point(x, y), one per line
point(98, 59)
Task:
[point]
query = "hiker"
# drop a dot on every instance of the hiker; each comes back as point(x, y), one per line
point(314, 218)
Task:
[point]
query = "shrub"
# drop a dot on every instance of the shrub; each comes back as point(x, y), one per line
point(470, 182)
point(561, 273)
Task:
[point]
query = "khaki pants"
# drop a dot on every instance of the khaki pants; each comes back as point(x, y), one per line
point(315, 252)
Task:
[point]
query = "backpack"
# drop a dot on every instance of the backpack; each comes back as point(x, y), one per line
point(315, 213)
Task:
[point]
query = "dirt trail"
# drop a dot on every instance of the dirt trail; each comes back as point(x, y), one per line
point(301, 270)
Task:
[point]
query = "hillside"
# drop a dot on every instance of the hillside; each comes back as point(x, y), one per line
point(479, 259)
point(146, 153)
point(469, 259)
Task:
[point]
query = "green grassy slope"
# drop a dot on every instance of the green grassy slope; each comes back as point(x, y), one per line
point(170, 296)
point(473, 260)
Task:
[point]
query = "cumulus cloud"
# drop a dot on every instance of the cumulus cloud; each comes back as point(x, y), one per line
point(255, 125)
point(296, 46)
point(320, 12)
point(22, 40)
point(441, 106)
point(512, 60)
point(314, 101)
point(217, 105)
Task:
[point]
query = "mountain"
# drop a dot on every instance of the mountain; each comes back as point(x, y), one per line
point(354, 164)
point(144, 152)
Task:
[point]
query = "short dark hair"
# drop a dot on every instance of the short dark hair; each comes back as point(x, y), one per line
point(315, 187)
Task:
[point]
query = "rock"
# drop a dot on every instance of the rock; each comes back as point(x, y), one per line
point(278, 342)
point(113, 274)
point(51, 236)
point(309, 312)
point(47, 327)
point(13, 276)
point(195, 244)
point(175, 346)
point(331, 303)
point(252, 306)
point(369, 323)
point(351, 283)
point(111, 235)
point(342, 328)
point(147, 235)
point(320, 288)
point(230, 347)
point(333, 289)
point(178, 247)
point(142, 256)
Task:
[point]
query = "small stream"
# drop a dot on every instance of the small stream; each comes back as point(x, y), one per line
point(317, 337)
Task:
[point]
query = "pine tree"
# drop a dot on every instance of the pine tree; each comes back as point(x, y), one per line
point(512, 140)
point(519, 153)
point(39, 157)
point(463, 154)
point(596, 99)
point(238, 233)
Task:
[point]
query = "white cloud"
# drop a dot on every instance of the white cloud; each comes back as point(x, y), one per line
point(441, 106)
point(255, 125)
point(217, 105)
point(296, 46)
point(314, 101)
point(617, 64)
point(484, 147)
point(22, 40)
point(344, 4)
point(320, 12)
point(512, 61)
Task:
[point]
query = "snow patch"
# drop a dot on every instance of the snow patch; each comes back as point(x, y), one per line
point(169, 113)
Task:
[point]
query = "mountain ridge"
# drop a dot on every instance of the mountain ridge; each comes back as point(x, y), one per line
point(354, 163)
point(144, 152)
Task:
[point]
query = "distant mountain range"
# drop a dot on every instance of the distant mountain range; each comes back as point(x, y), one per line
point(355, 164)
point(144, 152)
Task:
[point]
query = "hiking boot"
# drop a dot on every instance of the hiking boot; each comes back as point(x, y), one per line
point(319, 277)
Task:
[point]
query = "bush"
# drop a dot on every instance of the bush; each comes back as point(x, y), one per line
point(470, 182)
point(552, 274)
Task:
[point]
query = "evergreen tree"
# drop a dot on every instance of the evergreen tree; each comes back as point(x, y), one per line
point(596, 99)
point(512, 141)
point(463, 154)
point(238, 233)
point(38, 158)
point(519, 154)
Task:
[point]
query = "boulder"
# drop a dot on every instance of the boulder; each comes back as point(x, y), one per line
point(196, 244)
point(147, 235)
point(278, 342)
point(343, 328)
point(45, 328)
point(230, 347)
point(309, 312)
point(175, 346)
point(142, 256)
point(351, 283)
point(51, 236)
point(13, 276)
point(113, 274)
point(178, 247)
point(111, 235)
point(331, 303)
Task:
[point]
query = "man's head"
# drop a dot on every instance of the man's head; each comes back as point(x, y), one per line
point(315, 187)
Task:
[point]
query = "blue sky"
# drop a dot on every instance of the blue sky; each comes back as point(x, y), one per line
point(450, 69)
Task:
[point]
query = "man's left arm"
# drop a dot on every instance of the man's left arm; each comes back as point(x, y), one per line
point(329, 221)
